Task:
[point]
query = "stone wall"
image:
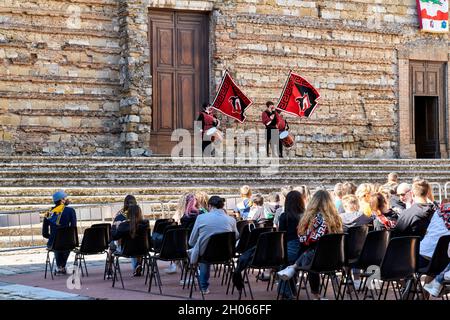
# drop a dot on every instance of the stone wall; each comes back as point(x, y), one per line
point(59, 77)
point(88, 90)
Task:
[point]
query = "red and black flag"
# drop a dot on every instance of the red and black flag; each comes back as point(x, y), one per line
point(230, 100)
point(299, 97)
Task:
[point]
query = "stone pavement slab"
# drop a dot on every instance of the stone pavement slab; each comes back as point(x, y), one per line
point(9, 291)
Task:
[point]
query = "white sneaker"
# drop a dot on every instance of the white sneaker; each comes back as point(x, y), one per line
point(447, 276)
point(205, 291)
point(287, 273)
point(187, 282)
point(171, 269)
point(434, 288)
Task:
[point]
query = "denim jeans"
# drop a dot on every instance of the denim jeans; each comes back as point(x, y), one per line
point(134, 261)
point(305, 259)
point(288, 289)
point(440, 277)
point(204, 275)
point(61, 258)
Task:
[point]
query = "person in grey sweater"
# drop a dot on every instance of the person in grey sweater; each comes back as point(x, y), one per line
point(206, 225)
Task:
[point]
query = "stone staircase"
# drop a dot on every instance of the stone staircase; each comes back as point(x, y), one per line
point(27, 182)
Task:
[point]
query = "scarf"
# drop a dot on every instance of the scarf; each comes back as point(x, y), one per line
point(54, 215)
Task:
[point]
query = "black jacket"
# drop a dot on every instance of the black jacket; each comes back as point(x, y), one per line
point(415, 220)
point(123, 230)
point(397, 205)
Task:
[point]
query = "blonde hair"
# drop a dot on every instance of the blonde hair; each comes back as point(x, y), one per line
point(350, 203)
point(181, 205)
point(338, 190)
point(202, 199)
point(363, 190)
point(321, 202)
point(246, 191)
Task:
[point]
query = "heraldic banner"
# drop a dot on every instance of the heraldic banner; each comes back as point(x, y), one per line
point(299, 97)
point(433, 15)
point(230, 100)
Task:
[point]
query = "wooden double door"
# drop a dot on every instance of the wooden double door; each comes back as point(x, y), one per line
point(428, 125)
point(180, 64)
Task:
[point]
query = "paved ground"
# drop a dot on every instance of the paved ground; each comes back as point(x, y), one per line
point(22, 277)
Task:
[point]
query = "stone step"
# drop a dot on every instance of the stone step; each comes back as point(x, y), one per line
point(205, 181)
point(147, 160)
point(154, 174)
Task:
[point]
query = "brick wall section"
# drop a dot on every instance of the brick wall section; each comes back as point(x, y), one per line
point(59, 77)
point(349, 49)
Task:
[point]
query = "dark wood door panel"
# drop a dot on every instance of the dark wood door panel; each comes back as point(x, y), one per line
point(179, 60)
point(187, 100)
point(166, 101)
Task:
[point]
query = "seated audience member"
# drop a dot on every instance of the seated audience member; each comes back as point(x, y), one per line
point(293, 210)
point(243, 207)
point(257, 210)
point(59, 216)
point(392, 180)
point(435, 286)
point(385, 218)
point(439, 226)
point(283, 194)
point(338, 194)
point(190, 212)
point(363, 193)
point(348, 188)
point(306, 193)
point(134, 226)
point(271, 207)
point(206, 225)
point(202, 201)
point(415, 220)
point(320, 218)
point(120, 216)
point(351, 216)
point(402, 200)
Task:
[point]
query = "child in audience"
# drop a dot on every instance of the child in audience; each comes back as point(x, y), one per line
point(306, 193)
point(257, 210)
point(385, 218)
point(351, 216)
point(320, 218)
point(271, 207)
point(363, 193)
point(338, 193)
point(243, 208)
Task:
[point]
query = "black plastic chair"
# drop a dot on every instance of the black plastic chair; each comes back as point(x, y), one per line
point(439, 261)
point(108, 260)
point(270, 253)
point(372, 254)
point(254, 236)
point(244, 237)
point(94, 242)
point(66, 239)
point(158, 234)
point(131, 248)
point(264, 223)
point(240, 225)
point(329, 258)
point(399, 263)
point(220, 250)
point(174, 248)
point(354, 242)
